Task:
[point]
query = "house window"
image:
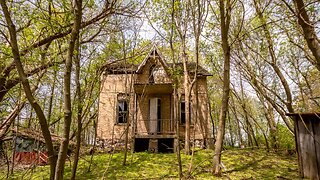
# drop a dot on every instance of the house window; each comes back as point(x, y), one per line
point(159, 115)
point(151, 74)
point(122, 109)
point(183, 112)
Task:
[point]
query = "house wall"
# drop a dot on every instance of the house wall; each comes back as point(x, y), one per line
point(111, 86)
point(201, 124)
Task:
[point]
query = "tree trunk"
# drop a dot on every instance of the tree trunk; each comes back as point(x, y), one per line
point(79, 112)
point(187, 93)
point(230, 130)
point(308, 31)
point(175, 95)
point(66, 91)
point(273, 126)
point(225, 15)
point(51, 97)
point(238, 122)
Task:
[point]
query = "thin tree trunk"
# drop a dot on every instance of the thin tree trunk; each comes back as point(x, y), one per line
point(66, 91)
point(225, 15)
point(230, 130)
point(269, 114)
point(51, 97)
point(175, 95)
point(187, 92)
point(232, 106)
point(79, 112)
point(94, 144)
point(126, 84)
point(250, 131)
point(253, 134)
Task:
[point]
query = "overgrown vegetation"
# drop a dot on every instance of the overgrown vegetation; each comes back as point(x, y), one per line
point(237, 164)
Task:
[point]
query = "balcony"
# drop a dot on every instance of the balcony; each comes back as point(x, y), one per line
point(155, 128)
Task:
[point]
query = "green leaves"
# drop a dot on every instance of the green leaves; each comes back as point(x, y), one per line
point(237, 163)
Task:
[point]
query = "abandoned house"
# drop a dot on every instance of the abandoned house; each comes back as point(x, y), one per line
point(142, 95)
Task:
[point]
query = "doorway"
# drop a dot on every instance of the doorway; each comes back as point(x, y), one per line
point(155, 115)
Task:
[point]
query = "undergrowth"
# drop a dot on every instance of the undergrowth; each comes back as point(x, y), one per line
point(236, 164)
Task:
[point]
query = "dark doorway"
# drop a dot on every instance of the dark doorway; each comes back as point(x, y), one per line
point(159, 115)
point(165, 145)
point(154, 115)
point(141, 144)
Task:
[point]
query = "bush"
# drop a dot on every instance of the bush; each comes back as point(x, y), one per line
point(285, 138)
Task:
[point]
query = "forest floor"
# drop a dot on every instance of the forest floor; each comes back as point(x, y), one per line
point(237, 164)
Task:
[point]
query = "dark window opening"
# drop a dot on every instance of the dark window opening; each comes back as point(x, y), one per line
point(151, 77)
point(183, 112)
point(159, 115)
point(141, 144)
point(122, 111)
point(165, 145)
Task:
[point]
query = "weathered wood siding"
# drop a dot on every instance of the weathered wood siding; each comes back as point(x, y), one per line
point(112, 85)
point(307, 135)
point(202, 125)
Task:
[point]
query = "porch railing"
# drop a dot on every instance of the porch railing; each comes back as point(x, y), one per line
point(155, 127)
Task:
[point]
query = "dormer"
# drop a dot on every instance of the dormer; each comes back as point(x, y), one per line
point(153, 69)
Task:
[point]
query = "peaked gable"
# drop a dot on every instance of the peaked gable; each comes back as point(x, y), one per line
point(155, 55)
point(153, 69)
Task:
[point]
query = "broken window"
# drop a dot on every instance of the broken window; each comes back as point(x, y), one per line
point(183, 112)
point(122, 109)
point(151, 74)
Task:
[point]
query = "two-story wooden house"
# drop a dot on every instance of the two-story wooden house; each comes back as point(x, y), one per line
point(142, 95)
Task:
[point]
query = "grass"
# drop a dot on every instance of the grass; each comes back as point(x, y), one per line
point(237, 164)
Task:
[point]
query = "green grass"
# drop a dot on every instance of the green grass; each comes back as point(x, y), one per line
point(237, 163)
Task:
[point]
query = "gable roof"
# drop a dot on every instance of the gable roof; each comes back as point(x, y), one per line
point(123, 67)
point(153, 53)
point(120, 67)
point(191, 67)
point(37, 135)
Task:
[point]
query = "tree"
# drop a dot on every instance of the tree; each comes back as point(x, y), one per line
point(77, 12)
point(79, 109)
point(225, 18)
point(27, 89)
point(308, 28)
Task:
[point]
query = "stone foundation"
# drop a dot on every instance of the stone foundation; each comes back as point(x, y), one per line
point(110, 145)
